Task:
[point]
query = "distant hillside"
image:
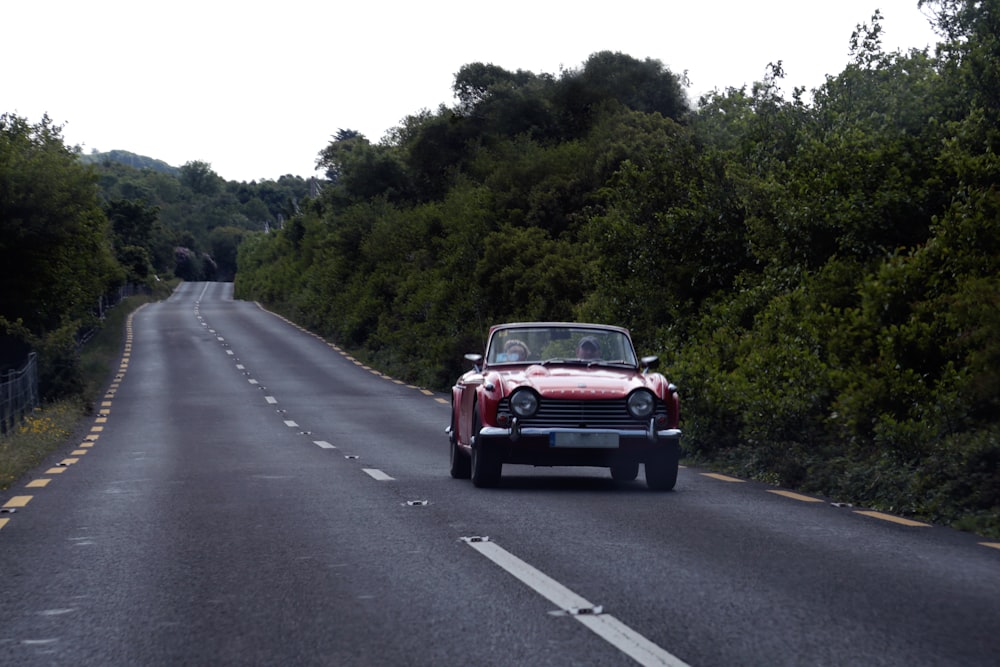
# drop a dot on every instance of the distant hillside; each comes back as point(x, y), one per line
point(130, 159)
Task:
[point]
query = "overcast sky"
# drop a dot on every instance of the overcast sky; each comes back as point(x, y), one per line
point(258, 89)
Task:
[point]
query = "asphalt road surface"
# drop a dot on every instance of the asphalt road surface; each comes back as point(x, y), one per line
point(249, 494)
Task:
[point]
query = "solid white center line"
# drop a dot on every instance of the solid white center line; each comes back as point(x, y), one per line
point(375, 473)
point(607, 627)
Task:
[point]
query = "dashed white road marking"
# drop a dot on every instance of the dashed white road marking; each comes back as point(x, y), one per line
point(607, 627)
point(290, 424)
point(377, 474)
point(271, 400)
point(324, 444)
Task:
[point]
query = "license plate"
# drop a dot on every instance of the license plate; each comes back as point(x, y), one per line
point(593, 440)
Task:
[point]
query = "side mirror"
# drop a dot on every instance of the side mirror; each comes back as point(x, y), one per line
point(477, 361)
point(649, 363)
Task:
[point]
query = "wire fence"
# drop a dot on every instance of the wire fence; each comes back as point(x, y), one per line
point(106, 303)
point(18, 394)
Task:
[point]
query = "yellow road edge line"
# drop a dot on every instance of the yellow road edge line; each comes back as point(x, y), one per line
point(794, 496)
point(721, 478)
point(17, 501)
point(991, 545)
point(894, 519)
point(3, 522)
point(55, 471)
point(38, 483)
point(78, 452)
point(442, 401)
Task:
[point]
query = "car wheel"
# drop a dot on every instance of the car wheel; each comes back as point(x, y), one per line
point(461, 466)
point(661, 468)
point(625, 472)
point(486, 465)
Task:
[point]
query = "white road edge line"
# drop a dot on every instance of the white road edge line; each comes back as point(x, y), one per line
point(607, 627)
point(375, 473)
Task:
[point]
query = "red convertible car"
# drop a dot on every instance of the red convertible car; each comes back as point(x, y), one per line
point(564, 394)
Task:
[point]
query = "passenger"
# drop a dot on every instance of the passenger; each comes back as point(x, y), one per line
point(515, 350)
point(588, 348)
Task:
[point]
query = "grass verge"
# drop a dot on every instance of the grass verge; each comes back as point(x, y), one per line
point(49, 427)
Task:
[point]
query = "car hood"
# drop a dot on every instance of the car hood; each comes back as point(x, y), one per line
point(568, 382)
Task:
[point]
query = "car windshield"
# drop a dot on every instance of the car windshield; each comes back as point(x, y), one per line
point(567, 344)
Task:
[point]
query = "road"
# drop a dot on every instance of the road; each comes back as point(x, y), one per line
point(251, 495)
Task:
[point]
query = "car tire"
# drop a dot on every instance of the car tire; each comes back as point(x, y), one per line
point(485, 464)
point(626, 471)
point(461, 466)
point(661, 468)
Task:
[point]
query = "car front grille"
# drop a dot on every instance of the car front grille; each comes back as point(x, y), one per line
point(555, 413)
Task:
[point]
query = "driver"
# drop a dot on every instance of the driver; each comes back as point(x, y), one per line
point(588, 348)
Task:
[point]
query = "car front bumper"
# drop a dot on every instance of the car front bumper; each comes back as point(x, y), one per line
point(583, 447)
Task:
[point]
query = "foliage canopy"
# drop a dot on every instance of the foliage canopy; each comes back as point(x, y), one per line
point(819, 271)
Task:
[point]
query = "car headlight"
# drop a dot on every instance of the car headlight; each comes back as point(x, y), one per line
point(641, 403)
point(524, 403)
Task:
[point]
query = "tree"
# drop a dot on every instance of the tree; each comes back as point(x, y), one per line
point(612, 77)
point(476, 82)
point(133, 225)
point(55, 243)
point(361, 171)
point(199, 177)
point(225, 242)
point(336, 156)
